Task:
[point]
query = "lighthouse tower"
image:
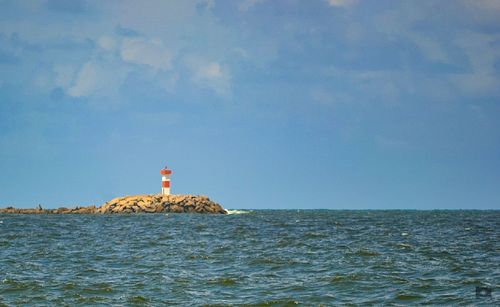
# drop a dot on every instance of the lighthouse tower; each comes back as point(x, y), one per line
point(165, 181)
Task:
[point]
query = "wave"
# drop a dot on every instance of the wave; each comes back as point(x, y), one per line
point(229, 211)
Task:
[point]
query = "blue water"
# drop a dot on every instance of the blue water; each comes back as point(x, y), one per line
point(259, 258)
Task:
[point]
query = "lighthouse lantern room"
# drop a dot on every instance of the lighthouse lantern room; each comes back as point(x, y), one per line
point(165, 180)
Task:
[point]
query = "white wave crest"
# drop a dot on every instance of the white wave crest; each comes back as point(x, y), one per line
point(229, 211)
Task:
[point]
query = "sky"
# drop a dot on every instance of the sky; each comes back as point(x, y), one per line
point(335, 104)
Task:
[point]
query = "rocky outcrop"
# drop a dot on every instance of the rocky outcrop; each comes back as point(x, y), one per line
point(161, 203)
point(88, 210)
point(138, 204)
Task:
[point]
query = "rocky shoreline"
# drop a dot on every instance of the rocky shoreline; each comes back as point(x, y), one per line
point(137, 204)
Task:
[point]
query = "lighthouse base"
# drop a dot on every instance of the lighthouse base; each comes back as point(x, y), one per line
point(165, 191)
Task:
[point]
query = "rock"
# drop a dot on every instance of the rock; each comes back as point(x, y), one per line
point(149, 210)
point(175, 209)
point(137, 204)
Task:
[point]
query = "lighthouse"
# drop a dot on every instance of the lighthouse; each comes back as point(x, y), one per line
point(165, 181)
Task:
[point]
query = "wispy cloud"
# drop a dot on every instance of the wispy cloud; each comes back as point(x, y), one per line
point(341, 3)
point(245, 5)
point(152, 53)
point(88, 80)
point(210, 74)
point(99, 79)
point(107, 43)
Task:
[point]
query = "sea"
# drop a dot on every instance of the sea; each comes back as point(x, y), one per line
point(252, 258)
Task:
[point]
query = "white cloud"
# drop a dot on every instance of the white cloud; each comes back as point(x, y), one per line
point(210, 71)
point(86, 82)
point(166, 30)
point(146, 52)
point(106, 43)
point(341, 3)
point(210, 74)
point(484, 4)
point(96, 78)
point(431, 48)
point(104, 74)
point(482, 55)
point(480, 77)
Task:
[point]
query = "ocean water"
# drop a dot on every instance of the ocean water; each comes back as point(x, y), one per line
point(251, 258)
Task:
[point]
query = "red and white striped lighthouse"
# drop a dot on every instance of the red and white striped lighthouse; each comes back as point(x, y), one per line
point(165, 181)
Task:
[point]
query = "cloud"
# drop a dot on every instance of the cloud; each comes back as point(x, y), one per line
point(106, 42)
point(146, 52)
point(458, 54)
point(484, 4)
point(98, 78)
point(210, 74)
point(104, 48)
point(210, 71)
point(86, 82)
point(245, 5)
point(341, 3)
point(482, 79)
point(430, 47)
point(104, 74)
point(405, 37)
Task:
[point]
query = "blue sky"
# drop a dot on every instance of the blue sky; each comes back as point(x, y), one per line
point(339, 104)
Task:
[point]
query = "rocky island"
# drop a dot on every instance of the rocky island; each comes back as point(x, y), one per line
point(149, 203)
